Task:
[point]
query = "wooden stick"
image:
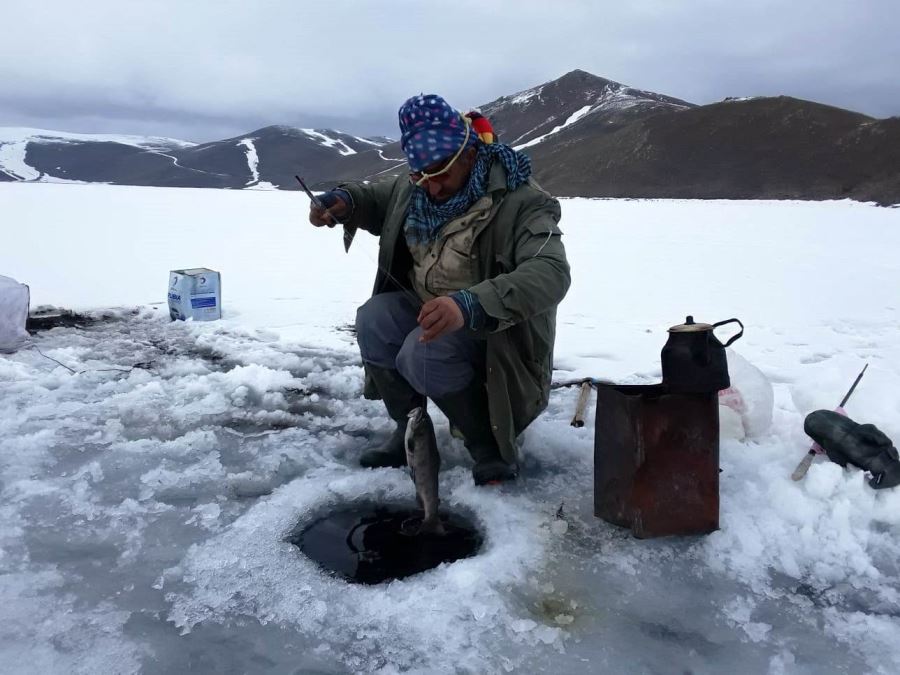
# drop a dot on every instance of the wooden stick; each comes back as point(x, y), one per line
point(804, 465)
point(583, 398)
point(806, 462)
point(593, 381)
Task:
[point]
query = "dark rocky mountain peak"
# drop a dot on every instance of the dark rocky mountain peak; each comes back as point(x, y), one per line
point(757, 148)
point(529, 117)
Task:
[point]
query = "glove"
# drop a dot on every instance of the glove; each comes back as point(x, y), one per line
point(331, 197)
point(337, 206)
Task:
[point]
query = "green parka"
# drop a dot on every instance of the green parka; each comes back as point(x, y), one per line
point(523, 275)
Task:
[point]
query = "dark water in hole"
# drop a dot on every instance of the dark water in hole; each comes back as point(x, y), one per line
point(368, 544)
point(45, 318)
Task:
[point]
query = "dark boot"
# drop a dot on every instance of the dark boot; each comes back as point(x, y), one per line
point(467, 410)
point(399, 398)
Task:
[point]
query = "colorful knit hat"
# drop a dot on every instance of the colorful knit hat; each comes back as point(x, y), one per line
point(431, 131)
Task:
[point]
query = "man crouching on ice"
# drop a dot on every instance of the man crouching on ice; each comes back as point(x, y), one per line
point(471, 270)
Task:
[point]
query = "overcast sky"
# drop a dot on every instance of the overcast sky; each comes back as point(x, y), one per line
point(208, 69)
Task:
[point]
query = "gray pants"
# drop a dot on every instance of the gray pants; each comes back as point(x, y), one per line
point(388, 337)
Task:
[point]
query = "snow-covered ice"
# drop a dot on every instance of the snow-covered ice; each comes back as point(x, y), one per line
point(145, 499)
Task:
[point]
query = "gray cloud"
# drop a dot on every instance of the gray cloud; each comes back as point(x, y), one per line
point(203, 70)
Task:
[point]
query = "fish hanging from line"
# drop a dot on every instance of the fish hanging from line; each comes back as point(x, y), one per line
point(424, 463)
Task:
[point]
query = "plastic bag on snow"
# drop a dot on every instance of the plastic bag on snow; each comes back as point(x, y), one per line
point(14, 299)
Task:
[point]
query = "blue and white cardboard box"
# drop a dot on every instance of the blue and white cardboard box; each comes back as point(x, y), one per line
point(195, 294)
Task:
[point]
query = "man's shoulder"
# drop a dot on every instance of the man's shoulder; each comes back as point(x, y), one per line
point(530, 195)
point(534, 185)
point(400, 183)
point(530, 190)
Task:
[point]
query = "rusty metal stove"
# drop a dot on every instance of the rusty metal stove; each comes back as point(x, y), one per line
point(656, 460)
point(656, 447)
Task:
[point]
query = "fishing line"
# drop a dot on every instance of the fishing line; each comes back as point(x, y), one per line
point(50, 358)
point(348, 240)
point(89, 370)
point(416, 300)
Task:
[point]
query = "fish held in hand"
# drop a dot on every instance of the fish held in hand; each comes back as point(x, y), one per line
point(424, 463)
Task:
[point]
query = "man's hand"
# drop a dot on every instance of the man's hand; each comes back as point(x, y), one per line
point(335, 209)
point(439, 317)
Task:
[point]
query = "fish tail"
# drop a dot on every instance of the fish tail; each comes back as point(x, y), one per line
point(432, 525)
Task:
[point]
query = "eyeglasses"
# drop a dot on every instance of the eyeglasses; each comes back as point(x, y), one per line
point(419, 177)
point(438, 173)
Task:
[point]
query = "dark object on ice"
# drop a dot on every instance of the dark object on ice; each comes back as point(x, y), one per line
point(399, 399)
point(862, 445)
point(367, 543)
point(816, 449)
point(656, 460)
point(656, 447)
point(693, 359)
point(424, 463)
point(469, 413)
point(45, 318)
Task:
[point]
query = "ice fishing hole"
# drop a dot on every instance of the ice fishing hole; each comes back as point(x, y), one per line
point(365, 543)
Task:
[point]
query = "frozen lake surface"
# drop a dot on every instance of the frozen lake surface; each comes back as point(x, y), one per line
point(146, 497)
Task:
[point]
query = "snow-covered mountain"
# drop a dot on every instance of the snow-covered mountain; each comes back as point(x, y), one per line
point(18, 144)
point(588, 136)
point(268, 156)
point(533, 116)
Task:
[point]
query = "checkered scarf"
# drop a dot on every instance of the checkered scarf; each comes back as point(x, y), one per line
point(424, 218)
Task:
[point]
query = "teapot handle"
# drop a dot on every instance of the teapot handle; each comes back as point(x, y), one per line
point(733, 337)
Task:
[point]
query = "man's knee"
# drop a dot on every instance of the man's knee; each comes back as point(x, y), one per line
point(431, 370)
point(371, 316)
point(382, 324)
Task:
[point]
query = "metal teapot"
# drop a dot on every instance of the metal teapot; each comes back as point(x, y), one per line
point(693, 359)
